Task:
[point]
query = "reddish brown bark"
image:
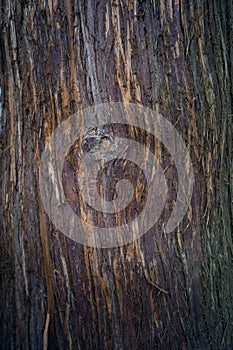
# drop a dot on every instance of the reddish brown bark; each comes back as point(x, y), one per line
point(58, 58)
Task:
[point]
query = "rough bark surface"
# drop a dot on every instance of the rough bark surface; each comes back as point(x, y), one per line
point(162, 291)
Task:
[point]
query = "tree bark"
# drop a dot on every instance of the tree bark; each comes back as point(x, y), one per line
point(162, 291)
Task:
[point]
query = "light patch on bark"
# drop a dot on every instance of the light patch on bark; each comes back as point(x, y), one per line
point(45, 335)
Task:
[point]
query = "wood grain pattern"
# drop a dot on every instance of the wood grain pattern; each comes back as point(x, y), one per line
point(162, 291)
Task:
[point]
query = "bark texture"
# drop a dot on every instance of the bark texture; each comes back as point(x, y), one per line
point(162, 291)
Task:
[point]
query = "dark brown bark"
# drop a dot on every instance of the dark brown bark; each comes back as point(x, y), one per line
point(58, 58)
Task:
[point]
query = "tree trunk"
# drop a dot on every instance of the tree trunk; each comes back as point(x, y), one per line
point(162, 291)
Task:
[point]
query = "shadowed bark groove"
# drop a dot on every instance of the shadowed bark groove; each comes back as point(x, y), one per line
point(162, 291)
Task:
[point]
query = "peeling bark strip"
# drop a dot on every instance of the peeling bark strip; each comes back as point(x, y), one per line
point(174, 57)
point(45, 337)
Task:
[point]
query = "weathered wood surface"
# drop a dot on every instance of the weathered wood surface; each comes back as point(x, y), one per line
point(172, 56)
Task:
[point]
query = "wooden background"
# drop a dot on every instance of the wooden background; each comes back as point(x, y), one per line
point(58, 57)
